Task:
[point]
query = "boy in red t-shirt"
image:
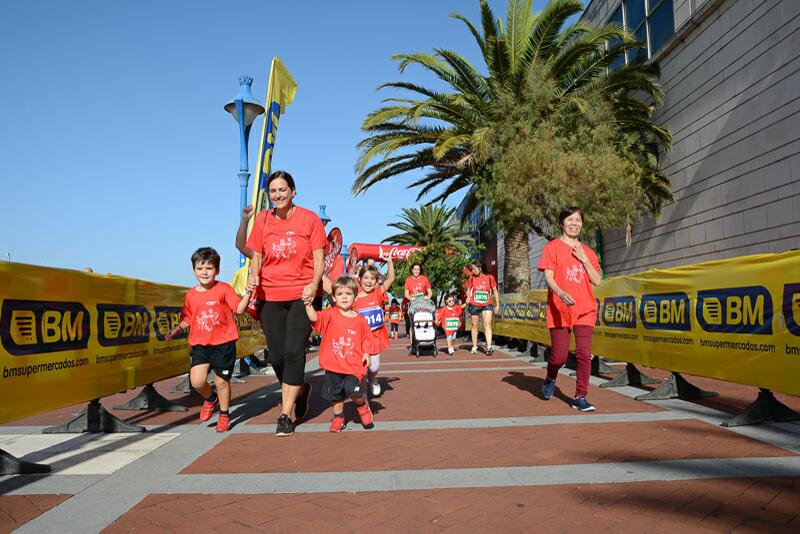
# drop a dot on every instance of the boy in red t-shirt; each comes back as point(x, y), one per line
point(344, 352)
point(208, 309)
point(394, 317)
point(449, 318)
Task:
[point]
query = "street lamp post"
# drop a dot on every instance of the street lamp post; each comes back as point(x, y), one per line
point(244, 109)
point(323, 216)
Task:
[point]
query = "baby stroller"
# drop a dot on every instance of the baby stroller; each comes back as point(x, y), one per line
point(422, 313)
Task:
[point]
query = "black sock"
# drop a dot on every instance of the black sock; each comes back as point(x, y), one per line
point(338, 414)
point(223, 412)
point(213, 397)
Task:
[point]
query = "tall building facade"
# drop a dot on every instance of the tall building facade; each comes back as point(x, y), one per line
point(731, 76)
point(730, 70)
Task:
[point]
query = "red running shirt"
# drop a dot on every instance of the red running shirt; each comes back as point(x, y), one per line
point(570, 275)
point(286, 245)
point(417, 287)
point(394, 314)
point(209, 314)
point(345, 340)
point(372, 306)
point(481, 289)
point(449, 318)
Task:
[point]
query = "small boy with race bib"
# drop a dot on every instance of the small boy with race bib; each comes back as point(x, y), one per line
point(344, 351)
point(449, 318)
point(394, 318)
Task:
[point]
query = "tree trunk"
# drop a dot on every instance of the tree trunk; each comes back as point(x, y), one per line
point(517, 265)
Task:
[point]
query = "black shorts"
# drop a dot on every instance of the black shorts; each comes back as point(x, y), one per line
point(336, 386)
point(222, 358)
point(478, 310)
point(394, 327)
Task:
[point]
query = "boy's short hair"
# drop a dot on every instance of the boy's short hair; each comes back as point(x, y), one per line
point(205, 254)
point(451, 296)
point(345, 282)
point(369, 269)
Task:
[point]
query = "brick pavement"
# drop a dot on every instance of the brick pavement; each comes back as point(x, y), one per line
point(441, 417)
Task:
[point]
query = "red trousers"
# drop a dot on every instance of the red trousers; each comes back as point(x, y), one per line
point(583, 353)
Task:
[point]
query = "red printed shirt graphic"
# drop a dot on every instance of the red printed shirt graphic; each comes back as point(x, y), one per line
point(210, 315)
point(570, 275)
point(345, 340)
point(286, 245)
point(481, 289)
point(449, 318)
point(417, 287)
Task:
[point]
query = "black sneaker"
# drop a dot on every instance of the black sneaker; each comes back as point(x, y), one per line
point(301, 404)
point(285, 426)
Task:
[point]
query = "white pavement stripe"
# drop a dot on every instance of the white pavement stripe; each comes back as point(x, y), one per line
point(385, 363)
point(457, 370)
point(441, 424)
point(481, 477)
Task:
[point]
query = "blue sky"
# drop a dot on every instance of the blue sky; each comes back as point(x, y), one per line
point(116, 150)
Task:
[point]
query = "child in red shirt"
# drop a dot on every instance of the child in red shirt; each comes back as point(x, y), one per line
point(394, 318)
point(449, 318)
point(208, 308)
point(344, 352)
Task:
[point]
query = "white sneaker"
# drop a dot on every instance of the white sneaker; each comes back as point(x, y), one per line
point(376, 388)
point(451, 352)
point(474, 349)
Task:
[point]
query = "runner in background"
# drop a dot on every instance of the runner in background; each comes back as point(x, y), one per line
point(480, 289)
point(417, 286)
point(394, 318)
point(571, 270)
point(449, 318)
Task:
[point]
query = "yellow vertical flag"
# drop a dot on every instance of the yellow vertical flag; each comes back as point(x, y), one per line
point(280, 94)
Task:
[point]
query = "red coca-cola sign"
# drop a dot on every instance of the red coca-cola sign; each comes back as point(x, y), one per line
point(364, 251)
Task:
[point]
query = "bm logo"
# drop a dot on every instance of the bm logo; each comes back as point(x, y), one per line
point(619, 312)
point(736, 310)
point(167, 318)
point(668, 311)
point(791, 307)
point(37, 326)
point(119, 324)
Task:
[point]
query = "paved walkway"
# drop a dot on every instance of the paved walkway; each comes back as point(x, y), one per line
point(461, 442)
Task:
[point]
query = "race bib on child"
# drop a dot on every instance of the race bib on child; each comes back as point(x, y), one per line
point(373, 315)
point(451, 323)
point(482, 297)
point(394, 315)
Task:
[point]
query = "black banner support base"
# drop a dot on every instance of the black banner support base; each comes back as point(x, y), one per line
point(765, 408)
point(535, 355)
point(11, 465)
point(676, 387)
point(631, 376)
point(94, 419)
point(151, 400)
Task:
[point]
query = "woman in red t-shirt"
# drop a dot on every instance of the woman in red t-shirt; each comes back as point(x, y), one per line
point(480, 289)
point(417, 286)
point(288, 245)
point(571, 271)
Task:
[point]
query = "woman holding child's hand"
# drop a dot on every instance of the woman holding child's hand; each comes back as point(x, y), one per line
point(287, 245)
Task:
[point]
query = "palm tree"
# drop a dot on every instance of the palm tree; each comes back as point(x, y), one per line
point(431, 225)
point(446, 133)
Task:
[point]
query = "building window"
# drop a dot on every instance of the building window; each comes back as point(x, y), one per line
point(651, 21)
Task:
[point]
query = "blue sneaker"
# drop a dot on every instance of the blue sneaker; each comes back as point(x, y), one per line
point(581, 404)
point(548, 388)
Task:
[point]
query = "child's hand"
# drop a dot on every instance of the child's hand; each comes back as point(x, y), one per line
point(172, 333)
point(366, 360)
point(251, 286)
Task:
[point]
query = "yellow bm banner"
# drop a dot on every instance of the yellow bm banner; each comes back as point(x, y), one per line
point(736, 320)
point(68, 337)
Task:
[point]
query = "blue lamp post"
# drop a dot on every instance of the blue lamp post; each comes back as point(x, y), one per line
point(244, 109)
point(323, 216)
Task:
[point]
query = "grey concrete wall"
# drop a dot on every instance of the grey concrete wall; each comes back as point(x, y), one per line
point(732, 102)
